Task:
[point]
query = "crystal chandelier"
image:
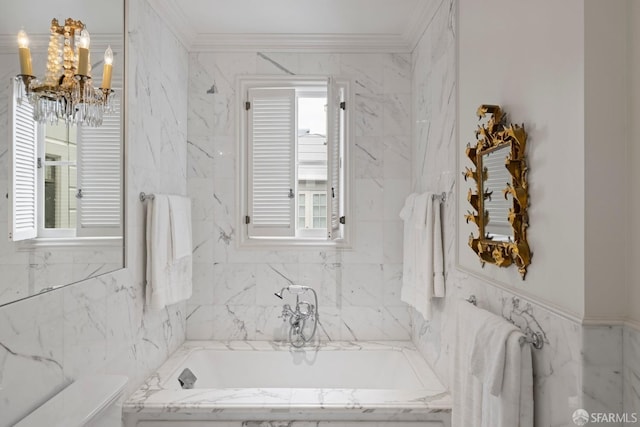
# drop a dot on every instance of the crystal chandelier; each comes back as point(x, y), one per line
point(66, 92)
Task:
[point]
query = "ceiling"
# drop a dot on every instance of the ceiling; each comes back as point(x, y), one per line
point(330, 25)
point(213, 24)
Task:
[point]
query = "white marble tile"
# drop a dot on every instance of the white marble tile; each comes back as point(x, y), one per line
point(235, 322)
point(397, 153)
point(235, 284)
point(631, 370)
point(319, 64)
point(362, 285)
point(397, 114)
point(369, 195)
point(397, 73)
point(368, 157)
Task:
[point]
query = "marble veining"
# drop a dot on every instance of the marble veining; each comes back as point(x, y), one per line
point(99, 324)
point(572, 370)
point(354, 286)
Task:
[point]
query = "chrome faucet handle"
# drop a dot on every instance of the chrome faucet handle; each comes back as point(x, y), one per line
point(286, 312)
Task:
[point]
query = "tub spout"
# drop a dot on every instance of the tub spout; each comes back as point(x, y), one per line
point(187, 379)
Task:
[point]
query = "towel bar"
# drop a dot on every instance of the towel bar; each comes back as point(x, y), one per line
point(442, 197)
point(144, 196)
point(536, 339)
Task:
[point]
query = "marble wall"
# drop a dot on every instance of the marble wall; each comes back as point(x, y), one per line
point(99, 325)
point(579, 367)
point(631, 370)
point(359, 288)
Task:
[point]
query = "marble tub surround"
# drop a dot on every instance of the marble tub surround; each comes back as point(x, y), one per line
point(359, 288)
point(160, 398)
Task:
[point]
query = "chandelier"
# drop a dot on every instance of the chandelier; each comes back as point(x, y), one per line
point(67, 92)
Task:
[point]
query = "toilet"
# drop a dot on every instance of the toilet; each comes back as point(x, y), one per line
point(94, 401)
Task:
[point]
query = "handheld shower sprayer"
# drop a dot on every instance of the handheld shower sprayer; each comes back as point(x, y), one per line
point(298, 317)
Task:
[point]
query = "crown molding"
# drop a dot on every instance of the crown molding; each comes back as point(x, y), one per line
point(170, 12)
point(172, 15)
point(317, 43)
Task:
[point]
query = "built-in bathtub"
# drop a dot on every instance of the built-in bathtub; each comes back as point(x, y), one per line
point(247, 384)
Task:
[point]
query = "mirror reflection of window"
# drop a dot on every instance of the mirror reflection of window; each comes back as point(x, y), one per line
point(498, 177)
point(60, 176)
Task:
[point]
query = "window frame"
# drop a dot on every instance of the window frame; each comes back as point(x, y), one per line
point(243, 84)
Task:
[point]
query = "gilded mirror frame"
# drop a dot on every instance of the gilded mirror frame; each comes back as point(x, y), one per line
point(494, 135)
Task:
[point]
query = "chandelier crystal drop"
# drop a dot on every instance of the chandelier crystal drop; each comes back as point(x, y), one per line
point(66, 92)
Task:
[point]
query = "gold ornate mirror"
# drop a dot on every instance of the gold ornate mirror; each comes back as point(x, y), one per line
point(501, 198)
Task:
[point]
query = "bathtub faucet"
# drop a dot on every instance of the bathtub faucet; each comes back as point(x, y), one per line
point(304, 310)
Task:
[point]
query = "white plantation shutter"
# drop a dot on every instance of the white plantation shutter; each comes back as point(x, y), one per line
point(271, 162)
point(335, 127)
point(497, 179)
point(23, 163)
point(99, 177)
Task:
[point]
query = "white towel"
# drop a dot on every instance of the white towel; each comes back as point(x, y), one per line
point(423, 266)
point(180, 210)
point(169, 280)
point(474, 404)
point(466, 389)
point(514, 405)
point(408, 249)
point(438, 253)
point(488, 351)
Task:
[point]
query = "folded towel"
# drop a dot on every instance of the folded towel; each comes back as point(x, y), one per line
point(514, 405)
point(438, 254)
point(180, 211)
point(488, 352)
point(408, 249)
point(423, 264)
point(466, 390)
point(475, 382)
point(168, 279)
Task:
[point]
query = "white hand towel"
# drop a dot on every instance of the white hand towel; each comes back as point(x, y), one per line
point(466, 392)
point(424, 219)
point(408, 249)
point(180, 210)
point(438, 255)
point(514, 405)
point(423, 261)
point(474, 404)
point(168, 280)
point(488, 352)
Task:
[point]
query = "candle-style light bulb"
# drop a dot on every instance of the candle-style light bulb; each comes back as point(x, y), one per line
point(85, 39)
point(23, 39)
point(106, 71)
point(108, 56)
point(24, 53)
point(83, 53)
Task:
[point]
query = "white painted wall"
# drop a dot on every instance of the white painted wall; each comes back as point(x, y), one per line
point(634, 159)
point(528, 57)
point(606, 144)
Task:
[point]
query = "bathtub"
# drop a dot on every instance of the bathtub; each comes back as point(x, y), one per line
point(266, 384)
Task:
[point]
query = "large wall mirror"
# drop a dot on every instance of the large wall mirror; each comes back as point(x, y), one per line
point(77, 230)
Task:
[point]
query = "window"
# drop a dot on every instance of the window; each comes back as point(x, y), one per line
point(294, 155)
point(65, 180)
